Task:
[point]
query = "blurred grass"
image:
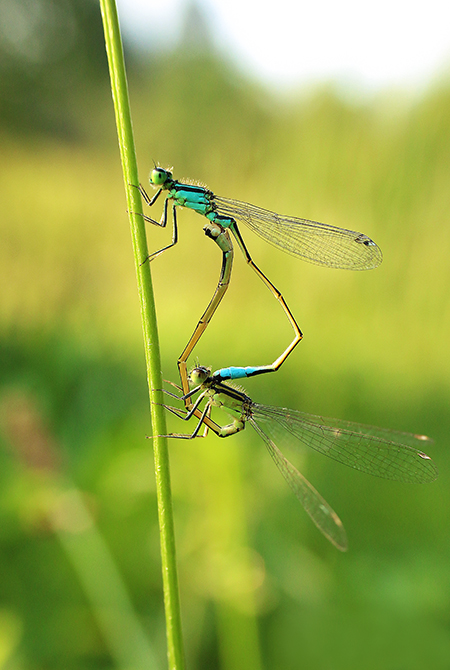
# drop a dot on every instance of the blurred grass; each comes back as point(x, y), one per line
point(375, 350)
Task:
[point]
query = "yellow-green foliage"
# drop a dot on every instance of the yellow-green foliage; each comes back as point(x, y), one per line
point(375, 349)
point(375, 167)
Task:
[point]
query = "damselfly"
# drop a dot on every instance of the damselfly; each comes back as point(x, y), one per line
point(375, 451)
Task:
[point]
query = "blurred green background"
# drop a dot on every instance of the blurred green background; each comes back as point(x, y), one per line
point(260, 587)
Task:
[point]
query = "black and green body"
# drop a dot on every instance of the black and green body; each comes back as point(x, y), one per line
point(377, 451)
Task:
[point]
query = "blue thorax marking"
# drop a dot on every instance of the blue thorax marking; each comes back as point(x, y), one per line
point(198, 199)
point(190, 196)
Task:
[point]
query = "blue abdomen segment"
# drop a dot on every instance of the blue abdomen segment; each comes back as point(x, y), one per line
point(238, 373)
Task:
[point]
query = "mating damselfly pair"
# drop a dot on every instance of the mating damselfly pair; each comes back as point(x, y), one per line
point(376, 451)
point(315, 242)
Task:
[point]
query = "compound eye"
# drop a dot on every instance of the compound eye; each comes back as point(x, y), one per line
point(158, 176)
point(199, 375)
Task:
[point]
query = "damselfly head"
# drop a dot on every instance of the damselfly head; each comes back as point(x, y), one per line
point(199, 375)
point(159, 176)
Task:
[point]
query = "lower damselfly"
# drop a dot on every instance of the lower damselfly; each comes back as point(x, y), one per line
point(376, 451)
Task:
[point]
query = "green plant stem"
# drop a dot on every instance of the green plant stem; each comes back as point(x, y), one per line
point(129, 165)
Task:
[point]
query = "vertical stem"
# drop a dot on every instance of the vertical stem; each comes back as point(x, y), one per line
point(119, 90)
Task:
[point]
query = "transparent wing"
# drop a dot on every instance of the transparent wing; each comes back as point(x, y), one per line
point(376, 451)
point(325, 518)
point(315, 242)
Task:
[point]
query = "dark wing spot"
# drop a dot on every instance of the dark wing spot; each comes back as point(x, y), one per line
point(363, 239)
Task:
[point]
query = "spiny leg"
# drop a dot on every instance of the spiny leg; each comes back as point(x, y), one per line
point(216, 394)
point(162, 223)
point(148, 201)
point(204, 420)
point(176, 386)
point(203, 416)
point(193, 410)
